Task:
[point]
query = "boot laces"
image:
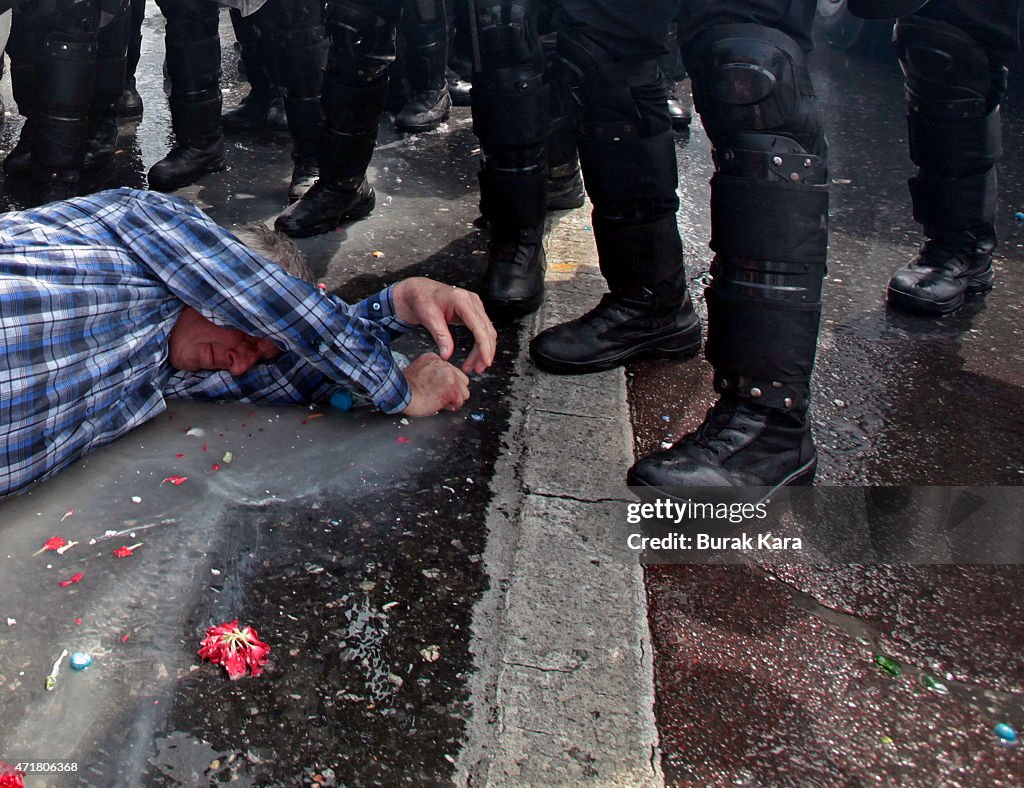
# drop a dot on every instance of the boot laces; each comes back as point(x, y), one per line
point(972, 252)
point(715, 434)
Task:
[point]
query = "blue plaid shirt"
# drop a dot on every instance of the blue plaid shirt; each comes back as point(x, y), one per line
point(89, 291)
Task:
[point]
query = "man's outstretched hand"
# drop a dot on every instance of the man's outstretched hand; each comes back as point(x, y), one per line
point(435, 384)
point(435, 306)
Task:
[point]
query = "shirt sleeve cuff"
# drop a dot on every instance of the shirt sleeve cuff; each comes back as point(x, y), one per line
point(381, 309)
point(394, 394)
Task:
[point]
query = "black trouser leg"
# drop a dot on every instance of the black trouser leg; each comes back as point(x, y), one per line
point(955, 137)
point(298, 50)
point(629, 168)
point(66, 74)
point(355, 87)
point(193, 62)
point(511, 117)
point(114, 38)
point(425, 52)
point(769, 216)
point(129, 106)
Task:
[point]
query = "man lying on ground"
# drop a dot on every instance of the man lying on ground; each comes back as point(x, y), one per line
point(112, 303)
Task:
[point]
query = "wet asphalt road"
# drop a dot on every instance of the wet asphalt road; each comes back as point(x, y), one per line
point(322, 524)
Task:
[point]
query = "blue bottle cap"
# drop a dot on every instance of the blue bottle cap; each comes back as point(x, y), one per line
point(80, 660)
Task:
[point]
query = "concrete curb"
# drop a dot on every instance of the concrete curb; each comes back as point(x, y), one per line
point(563, 691)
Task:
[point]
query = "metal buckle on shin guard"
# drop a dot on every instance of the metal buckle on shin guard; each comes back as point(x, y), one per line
point(782, 166)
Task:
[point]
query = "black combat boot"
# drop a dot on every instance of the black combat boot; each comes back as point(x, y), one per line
point(769, 231)
point(948, 268)
point(354, 93)
point(655, 322)
point(953, 92)
point(740, 444)
point(424, 111)
point(513, 283)
point(250, 114)
point(647, 314)
point(194, 67)
point(458, 88)
point(327, 204)
point(129, 104)
point(512, 119)
point(425, 36)
point(188, 162)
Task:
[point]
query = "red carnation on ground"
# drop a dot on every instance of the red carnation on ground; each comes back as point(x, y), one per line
point(236, 648)
point(11, 777)
point(54, 543)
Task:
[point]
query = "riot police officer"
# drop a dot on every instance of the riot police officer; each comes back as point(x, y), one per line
point(954, 56)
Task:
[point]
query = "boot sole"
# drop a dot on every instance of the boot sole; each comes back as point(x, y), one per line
point(419, 129)
point(507, 310)
point(358, 211)
point(801, 477)
point(654, 348)
point(911, 303)
point(172, 185)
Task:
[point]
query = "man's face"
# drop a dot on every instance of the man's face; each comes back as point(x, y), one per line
point(196, 343)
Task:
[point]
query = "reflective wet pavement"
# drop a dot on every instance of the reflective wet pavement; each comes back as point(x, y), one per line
point(352, 542)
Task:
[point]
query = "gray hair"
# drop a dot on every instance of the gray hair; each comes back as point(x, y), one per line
point(276, 247)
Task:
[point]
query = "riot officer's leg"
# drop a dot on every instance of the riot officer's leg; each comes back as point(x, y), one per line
point(129, 106)
point(193, 63)
point(114, 35)
point(954, 87)
point(671, 71)
point(511, 118)
point(355, 88)
point(425, 51)
point(29, 27)
point(629, 167)
point(298, 48)
point(565, 182)
point(769, 214)
point(66, 75)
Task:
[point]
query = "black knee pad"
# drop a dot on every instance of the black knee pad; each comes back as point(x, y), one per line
point(362, 42)
point(753, 78)
point(953, 94)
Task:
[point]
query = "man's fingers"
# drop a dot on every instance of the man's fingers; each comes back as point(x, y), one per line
point(470, 310)
point(435, 323)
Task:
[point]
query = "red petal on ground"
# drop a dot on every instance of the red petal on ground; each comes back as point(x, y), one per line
point(401, 439)
point(122, 552)
point(75, 578)
point(175, 480)
point(54, 543)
